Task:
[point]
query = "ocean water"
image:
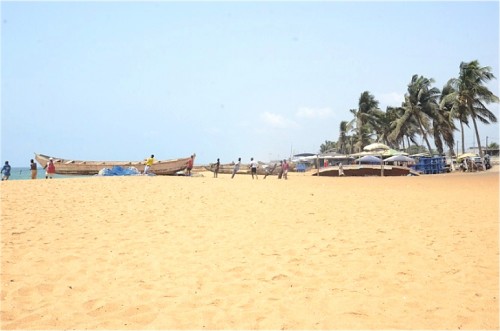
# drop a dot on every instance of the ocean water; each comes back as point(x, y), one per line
point(21, 173)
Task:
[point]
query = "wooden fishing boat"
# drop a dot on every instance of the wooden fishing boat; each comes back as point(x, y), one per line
point(365, 170)
point(75, 167)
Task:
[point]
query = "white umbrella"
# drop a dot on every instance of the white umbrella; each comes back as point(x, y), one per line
point(369, 159)
point(364, 153)
point(399, 158)
point(376, 146)
point(392, 152)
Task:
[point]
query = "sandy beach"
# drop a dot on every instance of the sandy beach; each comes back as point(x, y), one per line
point(203, 253)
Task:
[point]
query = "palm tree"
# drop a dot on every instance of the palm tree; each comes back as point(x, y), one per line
point(343, 141)
point(364, 119)
point(421, 105)
point(408, 130)
point(443, 125)
point(383, 126)
point(470, 95)
point(459, 113)
point(327, 146)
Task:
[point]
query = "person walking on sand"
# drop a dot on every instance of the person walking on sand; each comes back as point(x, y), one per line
point(269, 170)
point(341, 169)
point(236, 167)
point(6, 171)
point(285, 169)
point(280, 174)
point(33, 169)
point(190, 165)
point(149, 163)
point(216, 170)
point(50, 169)
point(253, 167)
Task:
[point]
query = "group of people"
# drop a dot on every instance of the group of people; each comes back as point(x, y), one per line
point(284, 166)
point(50, 170)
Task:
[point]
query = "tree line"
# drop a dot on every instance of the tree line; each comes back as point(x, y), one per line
point(425, 112)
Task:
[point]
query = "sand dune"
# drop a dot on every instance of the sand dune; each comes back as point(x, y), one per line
point(205, 253)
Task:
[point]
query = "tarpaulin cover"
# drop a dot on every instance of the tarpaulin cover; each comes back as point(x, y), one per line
point(119, 171)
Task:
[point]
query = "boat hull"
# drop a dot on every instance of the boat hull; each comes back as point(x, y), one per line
point(75, 167)
point(366, 170)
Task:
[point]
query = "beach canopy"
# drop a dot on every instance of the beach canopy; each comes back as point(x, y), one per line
point(463, 156)
point(392, 152)
point(399, 158)
point(369, 159)
point(376, 146)
point(363, 154)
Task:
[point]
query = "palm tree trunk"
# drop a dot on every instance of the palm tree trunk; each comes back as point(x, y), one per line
point(463, 136)
point(424, 135)
point(477, 136)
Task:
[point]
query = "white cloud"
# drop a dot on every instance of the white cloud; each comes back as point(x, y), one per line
point(392, 99)
point(277, 121)
point(321, 113)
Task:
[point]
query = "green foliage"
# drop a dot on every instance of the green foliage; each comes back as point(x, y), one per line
point(493, 146)
point(416, 149)
point(426, 112)
point(328, 146)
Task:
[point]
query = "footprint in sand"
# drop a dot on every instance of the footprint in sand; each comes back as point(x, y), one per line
point(280, 277)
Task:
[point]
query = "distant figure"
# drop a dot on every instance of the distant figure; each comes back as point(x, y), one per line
point(216, 170)
point(33, 169)
point(6, 171)
point(464, 165)
point(51, 169)
point(269, 170)
point(341, 169)
point(285, 169)
point(253, 166)
point(190, 165)
point(149, 163)
point(280, 174)
point(236, 167)
point(487, 163)
point(325, 163)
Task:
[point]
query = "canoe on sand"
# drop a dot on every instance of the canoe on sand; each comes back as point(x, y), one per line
point(76, 167)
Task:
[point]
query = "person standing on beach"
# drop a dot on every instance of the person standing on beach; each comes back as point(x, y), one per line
point(341, 169)
point(253, 167)
point(216, 170)
point(149, 163)
point(236, 167)
point(51, 169)
point(269, 170)
point(190, 165)
point(6, 171)
point(280, 174)
point(285, 169)
point(33, 169)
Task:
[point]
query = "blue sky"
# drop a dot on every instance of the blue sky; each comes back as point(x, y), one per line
point(123, 80)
